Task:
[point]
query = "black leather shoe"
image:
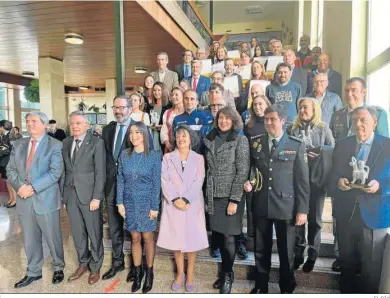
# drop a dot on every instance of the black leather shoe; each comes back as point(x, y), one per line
point(58, 276)
point(130, 277)
point(242, 254)
point(11, 205)
point(217, 283)
point(298, 261)
point(148, 284)
point(26, 281)
point(138, 276)
point(112, 272)
point(308, 266)
point(336, 265)
point(258, 291)
point(227, 282)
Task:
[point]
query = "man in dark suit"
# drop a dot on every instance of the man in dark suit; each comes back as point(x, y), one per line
point(361, 214)
point(298, 74)
point(34, 170)
point(184, 70)
point(281, 197)
point(82, 188)
point(55, 132)
point(334, 78)
point(198, 82)
point(116, 138)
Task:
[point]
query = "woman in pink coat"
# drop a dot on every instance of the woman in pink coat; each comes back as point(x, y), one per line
point(183, 224)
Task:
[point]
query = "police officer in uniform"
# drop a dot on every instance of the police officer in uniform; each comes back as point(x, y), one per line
point(280, 185)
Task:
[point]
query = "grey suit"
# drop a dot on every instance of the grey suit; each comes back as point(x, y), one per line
point(171, 79)
point(39, 215)
point(82, 182)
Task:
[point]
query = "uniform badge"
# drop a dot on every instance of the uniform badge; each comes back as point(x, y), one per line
point(305, 157)
point(196, 120)
point(255, 145)
point(259, 147)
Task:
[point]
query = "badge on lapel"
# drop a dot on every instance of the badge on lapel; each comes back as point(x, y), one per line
point(196, 120)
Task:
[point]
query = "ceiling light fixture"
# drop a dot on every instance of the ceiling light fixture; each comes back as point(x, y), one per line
point(140, 69)
point(28, 73)
point(83, 88)
point(74, 38)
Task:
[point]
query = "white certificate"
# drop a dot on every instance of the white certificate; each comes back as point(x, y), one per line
point(234, 54)
point(219, 66)
point(206, 66)
point(261, 59)
point(273, 61)
point(231, 84)
point(246, 72)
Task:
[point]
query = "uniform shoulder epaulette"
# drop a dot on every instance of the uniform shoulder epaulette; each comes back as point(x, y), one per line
point(257, 136)
point(296, 138)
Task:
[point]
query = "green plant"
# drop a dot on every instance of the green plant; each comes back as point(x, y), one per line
point(94, 108)
point(31, 93)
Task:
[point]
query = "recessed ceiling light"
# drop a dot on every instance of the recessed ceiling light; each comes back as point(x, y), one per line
point(83, 88)
point(28, 73)
point(140, 69)
point(74, 38)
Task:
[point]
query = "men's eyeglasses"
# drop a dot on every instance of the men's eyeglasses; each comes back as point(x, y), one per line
point(120, 108)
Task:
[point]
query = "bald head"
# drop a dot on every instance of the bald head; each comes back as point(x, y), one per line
point(289, 57)
point(257, 90)
point(323, 62)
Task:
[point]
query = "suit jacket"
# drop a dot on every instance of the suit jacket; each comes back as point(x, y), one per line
point(330, 104)
point(285, 178)
point(340, 127)
point(88, 173)
point(171, 79)
point(299, 75)
point(203, 84)
point(179, 69)
point(335, 82)
point(59, 134)
point(45, 173)
point(374, 208)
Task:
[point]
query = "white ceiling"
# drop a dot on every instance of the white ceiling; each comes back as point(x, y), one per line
point(226, 12)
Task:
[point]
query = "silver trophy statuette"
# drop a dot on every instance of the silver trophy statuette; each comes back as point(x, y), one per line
point(154, 117)
point(359, 173)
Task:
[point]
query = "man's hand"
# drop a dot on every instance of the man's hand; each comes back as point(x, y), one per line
point(343, 184)
point(373, 187)
point(232, 208)
point(248, 186)
point(300, 219)
point(25, 191)
point(94, 205)
point(121, 210)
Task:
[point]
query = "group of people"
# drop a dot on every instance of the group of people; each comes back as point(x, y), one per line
point(185, 150)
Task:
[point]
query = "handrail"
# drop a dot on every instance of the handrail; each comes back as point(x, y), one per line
point(197, 12)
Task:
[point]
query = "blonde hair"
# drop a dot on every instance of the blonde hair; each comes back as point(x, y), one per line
point(316, 121)
point(141, 100)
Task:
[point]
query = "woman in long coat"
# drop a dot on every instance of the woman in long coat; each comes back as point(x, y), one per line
point(183, 224)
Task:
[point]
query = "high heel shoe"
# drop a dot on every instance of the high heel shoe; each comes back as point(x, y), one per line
point(176, 287)
point(11, 206)
point(148, 284)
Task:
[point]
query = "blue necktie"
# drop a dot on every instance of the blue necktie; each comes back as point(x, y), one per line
point(187, 71)
point(362, 151)
point(118, 143)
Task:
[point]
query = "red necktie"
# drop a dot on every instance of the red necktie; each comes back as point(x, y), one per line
point(194, 84)
point(31, 155)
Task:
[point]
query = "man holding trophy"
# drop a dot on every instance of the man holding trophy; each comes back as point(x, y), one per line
point(360, 185)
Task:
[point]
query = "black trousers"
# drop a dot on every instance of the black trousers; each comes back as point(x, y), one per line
point(316, 207)
point(285, 235)
point(115, 223)
point(356, 239)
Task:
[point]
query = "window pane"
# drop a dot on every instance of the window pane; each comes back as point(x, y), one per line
point(378, 32)
point(379, 88)
point(3, 115)
point(3, 96)
point(26, 104)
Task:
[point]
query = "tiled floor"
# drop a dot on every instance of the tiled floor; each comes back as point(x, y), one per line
point(13, 266)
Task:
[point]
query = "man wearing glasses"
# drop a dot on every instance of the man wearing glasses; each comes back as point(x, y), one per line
point(115, 136)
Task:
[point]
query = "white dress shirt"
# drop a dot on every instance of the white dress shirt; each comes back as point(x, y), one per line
point(74, 144)
point(270, 144)
point(36, 144)
point(126, 126)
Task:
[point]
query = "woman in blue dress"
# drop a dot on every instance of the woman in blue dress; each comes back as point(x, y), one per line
point(138, 199)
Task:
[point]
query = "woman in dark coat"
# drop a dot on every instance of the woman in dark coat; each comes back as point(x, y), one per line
point(227, 159)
